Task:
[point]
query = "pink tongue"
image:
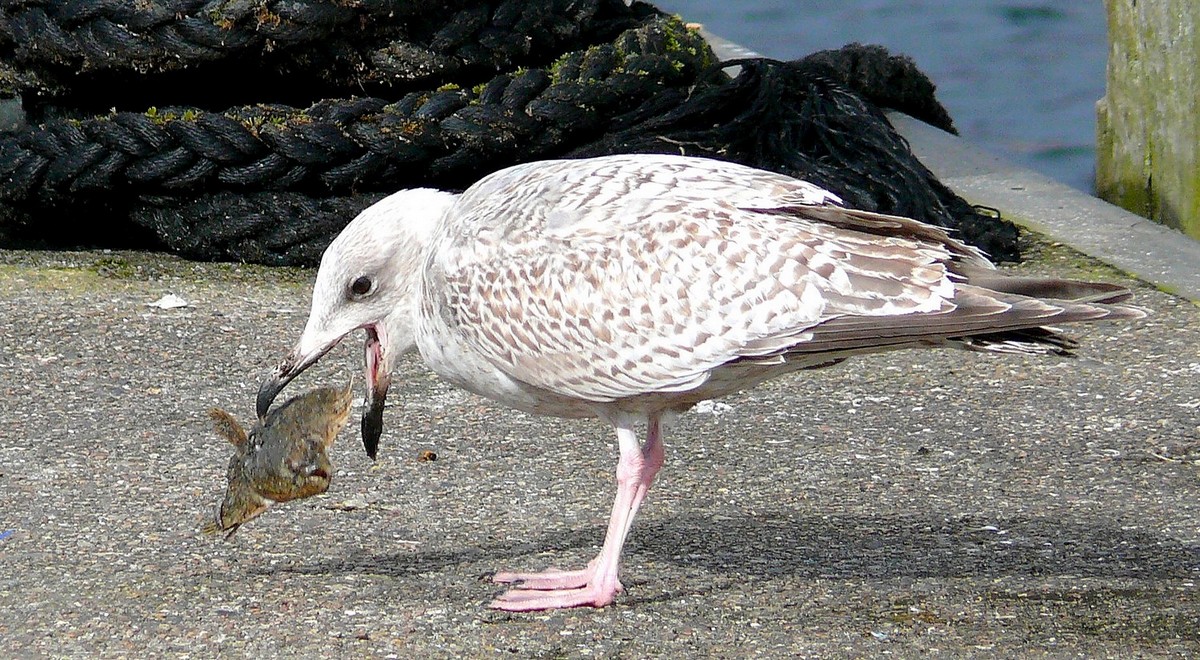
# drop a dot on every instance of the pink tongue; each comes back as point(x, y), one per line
point(374, 357)
point(378, 380)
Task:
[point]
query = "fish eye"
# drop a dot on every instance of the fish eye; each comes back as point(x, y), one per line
point(362, 286)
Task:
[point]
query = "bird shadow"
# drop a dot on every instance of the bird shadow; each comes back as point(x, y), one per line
point(842, 546)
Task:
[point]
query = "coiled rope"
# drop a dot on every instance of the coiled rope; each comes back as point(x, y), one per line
point(237, 161)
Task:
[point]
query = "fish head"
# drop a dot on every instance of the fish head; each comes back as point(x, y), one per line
point(241, 502)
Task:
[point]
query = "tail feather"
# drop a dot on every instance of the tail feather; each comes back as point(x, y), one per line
point(1049, 288)
point(1002, 317)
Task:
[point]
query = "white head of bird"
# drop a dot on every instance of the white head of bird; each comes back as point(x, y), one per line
point(367, 280)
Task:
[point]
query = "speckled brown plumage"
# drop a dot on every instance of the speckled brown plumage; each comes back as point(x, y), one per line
point(630, 287)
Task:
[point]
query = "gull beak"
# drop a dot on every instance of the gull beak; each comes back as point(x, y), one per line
point(379, 378)
point(303, 356)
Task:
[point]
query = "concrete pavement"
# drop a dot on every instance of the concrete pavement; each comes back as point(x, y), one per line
point(909, 503)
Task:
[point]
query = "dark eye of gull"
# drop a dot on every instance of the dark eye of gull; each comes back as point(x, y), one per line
point(361, 286)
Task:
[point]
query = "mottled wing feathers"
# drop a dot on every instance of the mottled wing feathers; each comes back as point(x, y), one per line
point(965, 257)
point(623, 276)
point(975, 311)
point(643, 274)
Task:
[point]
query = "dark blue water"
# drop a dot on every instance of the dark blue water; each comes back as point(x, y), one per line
point(1020, 79)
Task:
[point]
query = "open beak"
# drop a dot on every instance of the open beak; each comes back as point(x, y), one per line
point(293, 365)
point(379, 378)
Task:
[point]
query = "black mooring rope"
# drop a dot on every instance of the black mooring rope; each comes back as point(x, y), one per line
point(454, 94)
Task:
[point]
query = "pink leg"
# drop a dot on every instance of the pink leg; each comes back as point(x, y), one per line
point(597, 584)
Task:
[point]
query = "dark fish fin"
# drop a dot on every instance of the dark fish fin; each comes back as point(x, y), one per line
point(214, 527)
point(227, 427)
point(372, 415)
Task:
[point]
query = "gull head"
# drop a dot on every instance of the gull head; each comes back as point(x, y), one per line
point(367, 280)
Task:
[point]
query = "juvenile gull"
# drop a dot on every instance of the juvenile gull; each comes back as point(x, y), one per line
point(631, 287)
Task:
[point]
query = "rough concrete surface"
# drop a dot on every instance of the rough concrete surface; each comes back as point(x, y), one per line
point(905, 504)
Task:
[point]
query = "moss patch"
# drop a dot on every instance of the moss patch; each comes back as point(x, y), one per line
point(1039, 250)
point(107, 271)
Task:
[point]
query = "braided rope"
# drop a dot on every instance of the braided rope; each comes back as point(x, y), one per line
point(883, 79)
point(368, 44)
point(197, 178)
point(449, 135)
point(461, 92)
point(177, 33)
point(247, 227)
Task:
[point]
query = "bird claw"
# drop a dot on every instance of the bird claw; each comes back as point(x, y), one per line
point(547, 580)
point(553, 589)
point(525, 600)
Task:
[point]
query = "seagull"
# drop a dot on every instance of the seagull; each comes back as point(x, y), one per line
point(630, 288)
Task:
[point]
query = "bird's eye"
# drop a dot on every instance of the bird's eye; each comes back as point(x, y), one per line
point(361, 286)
